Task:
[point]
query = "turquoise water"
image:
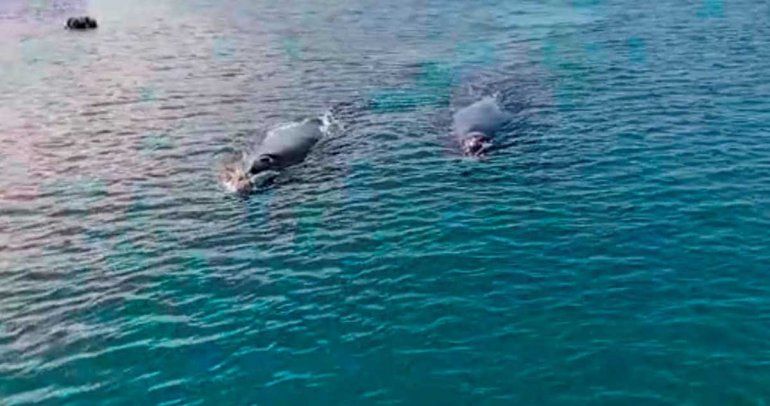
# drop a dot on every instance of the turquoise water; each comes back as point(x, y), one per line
point(616, 252)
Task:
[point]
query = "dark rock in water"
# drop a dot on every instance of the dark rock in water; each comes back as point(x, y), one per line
point(81, 23)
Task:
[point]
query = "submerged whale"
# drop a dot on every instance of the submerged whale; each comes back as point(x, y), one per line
point(475, 125)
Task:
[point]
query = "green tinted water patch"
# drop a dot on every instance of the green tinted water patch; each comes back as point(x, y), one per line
point(76, 195)
point(262, 363)
point(292, 47)
point(15, 170)
point(432, 86)
point(435, 80)
point(196, 7)
point(223, 48)
point(152, 335)
point(357, 189)
point(39, 5)
point(476, 53)
point(188, 284)
point(564, 55)
point(200, 360)
point(637, 52)
point(570, 93)
point(134, 213)
point(402, 100)
point(135, 220)
point(193, 269)
point(571, 62)
point(126, 257)
point(711, 9)
point(454, 219)
point(358, 209)
point(40, 8)
point(147, 94)
point(29, 65)
point(358, 193)
point(585, 3)
point(36, 52)
point(595, 54)
point(196, 262)
point(139, 308)
point(435, 75)
point(549, 54)
point(121, 255)
point(310, 226)
point(153, 143)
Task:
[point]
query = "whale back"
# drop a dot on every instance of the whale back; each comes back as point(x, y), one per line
point(483, 116)
point(292, 142)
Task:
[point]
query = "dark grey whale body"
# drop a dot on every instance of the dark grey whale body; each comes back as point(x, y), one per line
point(475, 125)
point(281, 147)
point(286, 146)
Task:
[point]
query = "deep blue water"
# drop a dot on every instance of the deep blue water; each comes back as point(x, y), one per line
point(617, 252)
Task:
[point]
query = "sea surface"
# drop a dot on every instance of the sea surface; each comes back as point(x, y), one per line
point(617, 251)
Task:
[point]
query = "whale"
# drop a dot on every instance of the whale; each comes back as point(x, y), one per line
point(285, 146)
point(281, 147)
point(474, 126)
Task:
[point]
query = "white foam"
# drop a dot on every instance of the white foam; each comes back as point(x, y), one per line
point(329, 123)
